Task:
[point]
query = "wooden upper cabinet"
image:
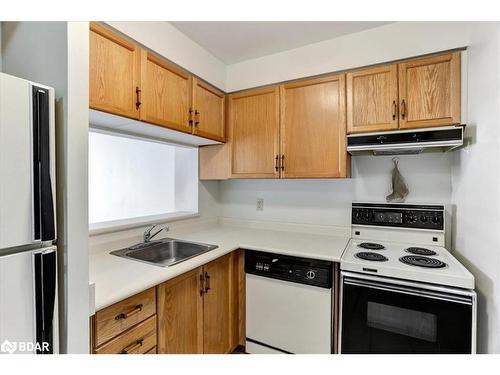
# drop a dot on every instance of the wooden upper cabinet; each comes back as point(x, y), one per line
point(313, 128)
point(429, 91)
point(114, 72)
point(166, 93)
point(218, 319)
point(180, 314)
point(254, 133)
point(208, 106)
point(372, 98)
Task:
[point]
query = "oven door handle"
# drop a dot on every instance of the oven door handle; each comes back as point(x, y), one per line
point(405, 290)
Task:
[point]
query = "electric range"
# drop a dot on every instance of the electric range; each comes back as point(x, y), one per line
point(402, 291)
point(403, 241)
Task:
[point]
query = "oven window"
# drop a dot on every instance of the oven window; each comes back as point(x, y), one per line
point(416, 324)
point(385, 321)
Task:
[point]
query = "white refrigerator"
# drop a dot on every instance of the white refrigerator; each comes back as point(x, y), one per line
point(28, 255)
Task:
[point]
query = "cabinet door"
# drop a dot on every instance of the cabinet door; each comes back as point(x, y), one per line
point(218, 300)
point(180, 314)
point(429, 91)
point(208, 115)
point(313, 128)
point(166, 94)
point(372, 97)
point(113, 72)
point(254, 133)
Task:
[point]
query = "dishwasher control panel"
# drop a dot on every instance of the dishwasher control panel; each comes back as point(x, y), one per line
point(289, 268)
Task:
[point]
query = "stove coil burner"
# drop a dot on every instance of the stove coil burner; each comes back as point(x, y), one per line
point(375, 257)
point(371, 246)
point(420, 261)
point(420, 251)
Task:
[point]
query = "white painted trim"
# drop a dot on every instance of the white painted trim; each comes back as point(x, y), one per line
point(113, 124)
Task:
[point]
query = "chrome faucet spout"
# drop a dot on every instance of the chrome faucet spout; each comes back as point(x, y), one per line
point(147, 236)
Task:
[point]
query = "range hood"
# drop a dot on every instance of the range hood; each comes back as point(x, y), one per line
point(404, 142)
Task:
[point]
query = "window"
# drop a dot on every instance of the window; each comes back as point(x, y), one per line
point(135, 180)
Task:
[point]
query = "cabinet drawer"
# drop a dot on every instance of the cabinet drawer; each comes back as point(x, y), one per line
point(117, 318)
point(138, 340)
point(151, 351)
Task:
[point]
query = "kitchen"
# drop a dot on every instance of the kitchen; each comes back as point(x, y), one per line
point(270, 213)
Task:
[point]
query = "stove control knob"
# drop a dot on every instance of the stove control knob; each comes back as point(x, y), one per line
point(423, 219)
point(411, 219)
point(367, 215)
point(435, 219)
point(310, 275)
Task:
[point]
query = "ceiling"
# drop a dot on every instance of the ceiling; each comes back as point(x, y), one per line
point(232, 42)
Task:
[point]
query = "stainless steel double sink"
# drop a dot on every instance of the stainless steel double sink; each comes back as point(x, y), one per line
point(165, 252)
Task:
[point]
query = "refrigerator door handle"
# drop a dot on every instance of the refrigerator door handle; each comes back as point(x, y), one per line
point(43, 201)
point(45, 293)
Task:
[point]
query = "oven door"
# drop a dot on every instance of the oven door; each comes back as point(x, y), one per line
point(381, 315)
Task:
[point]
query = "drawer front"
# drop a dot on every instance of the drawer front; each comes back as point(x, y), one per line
point(139, 340)
point(151, 351)
point(117, 318)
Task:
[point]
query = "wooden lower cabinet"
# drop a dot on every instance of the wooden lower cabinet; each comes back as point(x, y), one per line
point(217, 301)
point(180, 314)
point(199, 312)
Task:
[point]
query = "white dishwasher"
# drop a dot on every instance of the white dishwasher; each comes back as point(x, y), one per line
point(288, 304)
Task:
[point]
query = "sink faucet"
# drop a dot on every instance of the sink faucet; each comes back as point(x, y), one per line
point(147, 236)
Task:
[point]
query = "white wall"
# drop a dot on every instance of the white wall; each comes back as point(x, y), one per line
point(386, 43)
point(328, 202)
point(1, 47)
point(166, 40)
point(476, 181)
point(56, 54)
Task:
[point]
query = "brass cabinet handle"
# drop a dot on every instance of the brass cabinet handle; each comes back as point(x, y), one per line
point(136, 310)
point(138, 97)
point(394, 110)
point(282, 162)
point(276, 163)
point(207, 282)
point(133, 346)
point(197, 118)
point(190, 117)
point(202, 282)
point(403, 109)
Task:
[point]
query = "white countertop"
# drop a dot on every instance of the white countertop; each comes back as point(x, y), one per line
point(117, 278)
